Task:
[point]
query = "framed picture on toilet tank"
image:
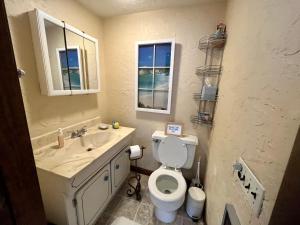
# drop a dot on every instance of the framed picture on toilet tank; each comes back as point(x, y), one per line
point(174, 129)
point(154, 75)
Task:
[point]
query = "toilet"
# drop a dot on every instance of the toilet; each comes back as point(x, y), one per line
point(167, 185)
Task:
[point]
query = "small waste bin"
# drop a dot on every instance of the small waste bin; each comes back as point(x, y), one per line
point(195, 203)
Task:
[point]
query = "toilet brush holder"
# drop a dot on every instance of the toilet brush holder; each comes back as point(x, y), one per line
point(135, 189)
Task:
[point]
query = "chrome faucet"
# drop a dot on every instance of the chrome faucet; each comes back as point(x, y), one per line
point(78, 133)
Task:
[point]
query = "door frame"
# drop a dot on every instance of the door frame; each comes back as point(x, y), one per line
point(16, 161)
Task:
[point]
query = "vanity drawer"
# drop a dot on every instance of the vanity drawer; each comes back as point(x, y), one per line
point(93, 197)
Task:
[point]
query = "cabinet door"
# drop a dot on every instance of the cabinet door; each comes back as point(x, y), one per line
point(93, 197)
point(120, 167)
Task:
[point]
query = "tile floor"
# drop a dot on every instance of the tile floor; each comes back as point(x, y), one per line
point(139, 211)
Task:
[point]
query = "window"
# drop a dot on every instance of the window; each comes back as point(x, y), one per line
point(154, 75)
point(74, 68)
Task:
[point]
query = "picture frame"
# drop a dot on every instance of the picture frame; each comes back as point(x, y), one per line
point(154, 75)
point(173, 128)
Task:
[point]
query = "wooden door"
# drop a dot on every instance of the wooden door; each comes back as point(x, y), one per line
point(20, 193)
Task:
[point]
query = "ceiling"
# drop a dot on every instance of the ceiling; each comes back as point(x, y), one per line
point(108, 8)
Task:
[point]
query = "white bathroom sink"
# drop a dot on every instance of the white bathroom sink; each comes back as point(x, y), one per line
point(96, 140)
point(78, 152)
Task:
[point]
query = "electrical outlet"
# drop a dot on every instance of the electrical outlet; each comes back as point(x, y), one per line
point(251, 186)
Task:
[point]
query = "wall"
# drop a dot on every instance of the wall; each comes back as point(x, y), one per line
point(258, 112)
point(186, 25)
point(45, 114)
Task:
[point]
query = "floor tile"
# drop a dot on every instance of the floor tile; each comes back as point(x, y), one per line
point(144, 214)
point(142, 211)
point(126, 208)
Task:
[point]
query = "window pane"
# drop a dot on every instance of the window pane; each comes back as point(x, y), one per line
point(145, 78)
point(161, 100)
point(145, 99)
point(161, 79)
point(75, 79)
point(63, 59)
point(65, 75)
point(73, 58)
point(146, 55)
point(163, 54)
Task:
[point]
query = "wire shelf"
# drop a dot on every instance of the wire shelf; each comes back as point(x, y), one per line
point(211, 42)
point(211, 70)
point(201, 120)
point(198, 96)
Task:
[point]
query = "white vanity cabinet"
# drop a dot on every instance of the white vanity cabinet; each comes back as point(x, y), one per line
point(67, 58)
point(80, 200)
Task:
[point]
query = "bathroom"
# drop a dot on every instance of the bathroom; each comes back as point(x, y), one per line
point(255, 116)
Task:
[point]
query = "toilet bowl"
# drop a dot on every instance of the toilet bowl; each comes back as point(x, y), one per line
point(167, 192)
point(167, 185)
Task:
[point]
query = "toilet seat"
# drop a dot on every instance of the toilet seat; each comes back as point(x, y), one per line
point(174, 196)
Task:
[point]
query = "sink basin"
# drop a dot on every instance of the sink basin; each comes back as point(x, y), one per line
point(78, 152)
point(96, 140)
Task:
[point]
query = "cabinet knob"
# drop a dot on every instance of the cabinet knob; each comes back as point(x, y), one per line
point(106, 178)
point(117, 166)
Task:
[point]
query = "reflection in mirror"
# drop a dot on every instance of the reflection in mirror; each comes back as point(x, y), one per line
point(74, 60)
point(90, 48)
point(55, 40)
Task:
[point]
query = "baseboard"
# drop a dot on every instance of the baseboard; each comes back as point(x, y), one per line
point(141, 170)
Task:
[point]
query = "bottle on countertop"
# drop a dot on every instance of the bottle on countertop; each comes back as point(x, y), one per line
point(60, 138)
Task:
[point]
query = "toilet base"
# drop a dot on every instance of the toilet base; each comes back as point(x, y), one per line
point(165, 216)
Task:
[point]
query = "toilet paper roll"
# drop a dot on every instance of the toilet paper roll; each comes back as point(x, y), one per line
point(135, 152)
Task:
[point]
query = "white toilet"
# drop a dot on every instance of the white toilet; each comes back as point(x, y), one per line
point(167, 185)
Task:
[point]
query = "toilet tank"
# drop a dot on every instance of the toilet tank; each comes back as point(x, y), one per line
point(190, 141)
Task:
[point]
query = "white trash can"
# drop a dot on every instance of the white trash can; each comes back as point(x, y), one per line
point(195, 203)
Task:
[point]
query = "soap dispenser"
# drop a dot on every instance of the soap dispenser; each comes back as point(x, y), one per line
point(60, 138)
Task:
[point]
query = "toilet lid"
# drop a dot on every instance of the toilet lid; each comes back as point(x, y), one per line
point(172, 152)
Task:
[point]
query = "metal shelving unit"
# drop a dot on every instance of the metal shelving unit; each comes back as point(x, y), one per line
point(210, 72)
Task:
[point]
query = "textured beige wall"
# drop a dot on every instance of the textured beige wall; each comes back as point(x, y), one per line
point(258, 112)
point(186, 25)
point(45, 113)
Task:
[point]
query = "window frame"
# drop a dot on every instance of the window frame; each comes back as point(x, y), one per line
point(58, 51)
point(171, 68)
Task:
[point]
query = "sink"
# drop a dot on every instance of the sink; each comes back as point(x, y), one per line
point(77, 152)
point(89, 142)
point(96, 140)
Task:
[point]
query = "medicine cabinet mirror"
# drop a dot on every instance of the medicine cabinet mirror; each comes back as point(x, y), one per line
point(67, 58)
point(154, 75)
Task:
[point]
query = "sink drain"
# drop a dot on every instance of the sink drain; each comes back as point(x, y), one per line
point(167, 191)
point(89, 149)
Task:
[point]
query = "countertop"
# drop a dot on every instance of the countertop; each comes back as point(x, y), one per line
point(74, 157)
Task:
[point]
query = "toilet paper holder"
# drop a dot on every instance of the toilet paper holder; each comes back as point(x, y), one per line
point(142, 153)
point(135, 190)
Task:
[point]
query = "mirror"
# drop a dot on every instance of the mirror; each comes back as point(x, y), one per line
point(91, 64)
point(75, 48)
point(55, 41)
point(67, 58)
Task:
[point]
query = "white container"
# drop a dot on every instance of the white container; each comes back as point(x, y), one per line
point(195, 202)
